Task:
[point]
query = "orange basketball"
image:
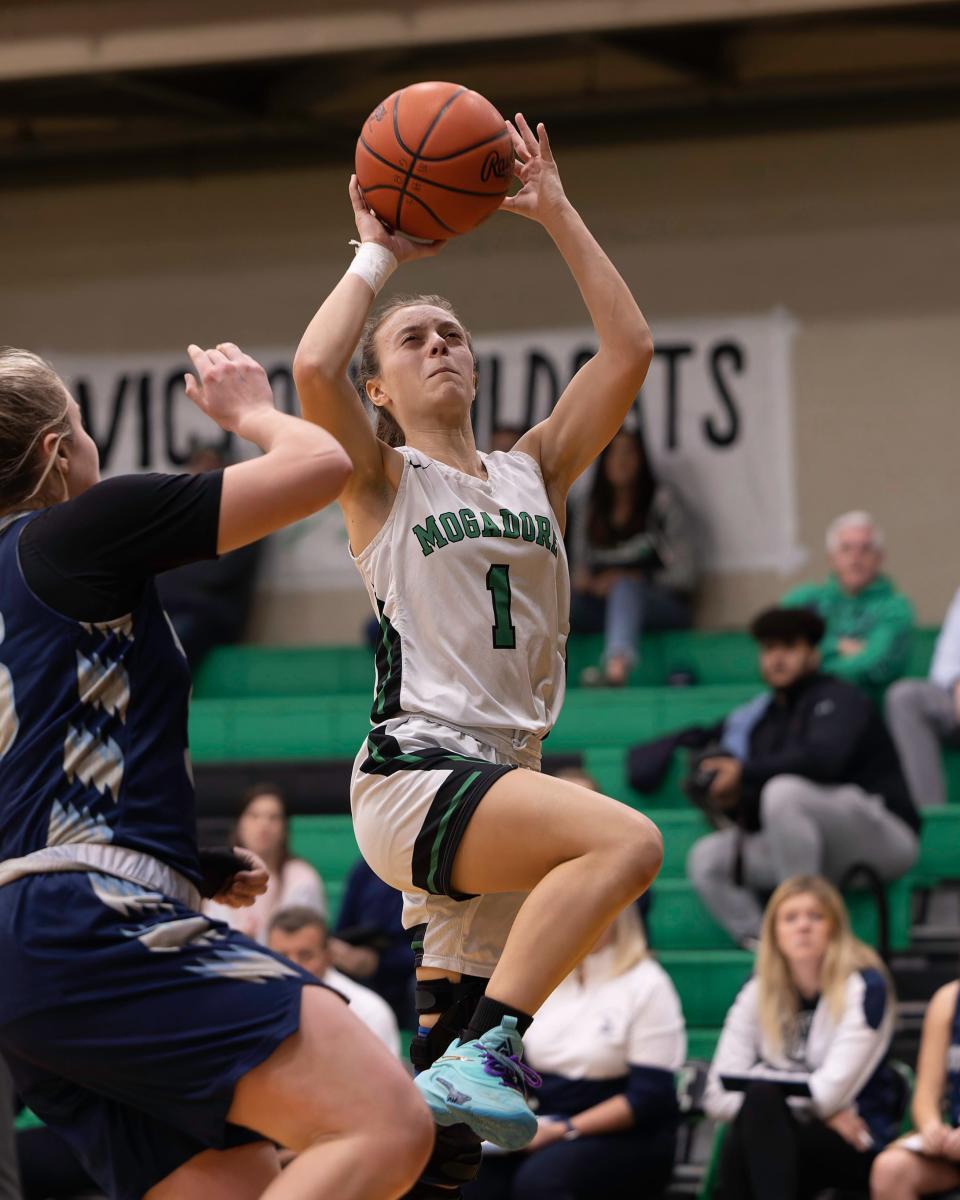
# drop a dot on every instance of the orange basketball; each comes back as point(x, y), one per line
point(434, 160)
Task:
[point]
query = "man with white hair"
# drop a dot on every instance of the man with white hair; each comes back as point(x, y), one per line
point(869, 623)
point(924, 714)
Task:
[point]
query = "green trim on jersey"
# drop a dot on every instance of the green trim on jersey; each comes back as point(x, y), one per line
point(452, 807)
point(389, 665)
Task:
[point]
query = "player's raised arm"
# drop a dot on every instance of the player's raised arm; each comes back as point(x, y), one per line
point(594, 404)
point(321, 364)
point(302, 470)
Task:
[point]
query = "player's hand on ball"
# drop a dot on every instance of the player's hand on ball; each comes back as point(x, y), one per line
point(541, 196)
point(244, 887)
point(228, 386)
point(372, 229)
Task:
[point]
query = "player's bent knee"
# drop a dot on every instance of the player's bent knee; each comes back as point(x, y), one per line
point(639, 856)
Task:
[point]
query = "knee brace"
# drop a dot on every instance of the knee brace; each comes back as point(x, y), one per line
point(456, 1153)
point(454, 1002)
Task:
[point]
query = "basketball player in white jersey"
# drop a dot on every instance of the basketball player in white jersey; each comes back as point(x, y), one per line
point(508, 876)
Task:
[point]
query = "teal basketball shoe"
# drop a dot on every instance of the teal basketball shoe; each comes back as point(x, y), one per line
point(483, 1084)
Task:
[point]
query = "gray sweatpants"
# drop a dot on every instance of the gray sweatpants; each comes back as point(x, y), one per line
point(806, 829)
point(921, 717)
point(9, 1181)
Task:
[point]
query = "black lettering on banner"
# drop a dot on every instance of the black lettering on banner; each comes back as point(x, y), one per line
point(488, 387)
point(725, 356)
point(83, 392)
point(145, 407)
point(179, 456)
point(285, 394)
point(540, 367)
point(672, 356)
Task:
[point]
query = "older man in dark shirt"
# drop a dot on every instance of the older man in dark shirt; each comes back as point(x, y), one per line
point(818, 790)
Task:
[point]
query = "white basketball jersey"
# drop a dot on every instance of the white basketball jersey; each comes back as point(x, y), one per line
point(469, 580)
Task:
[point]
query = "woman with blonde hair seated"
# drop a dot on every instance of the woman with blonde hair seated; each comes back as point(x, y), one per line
point(606, 1044)
point(800, 1070)
point(928, 1162)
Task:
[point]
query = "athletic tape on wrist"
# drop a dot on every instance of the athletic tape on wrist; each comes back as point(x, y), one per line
point(373, 263)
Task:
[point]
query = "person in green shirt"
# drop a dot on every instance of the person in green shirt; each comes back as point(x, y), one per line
point(869, 623)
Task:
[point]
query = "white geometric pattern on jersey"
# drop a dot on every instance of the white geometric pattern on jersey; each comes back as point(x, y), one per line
point(121, 625)
point(69, 824)
point(243, 963)
point(170, 936)
point(96, 760)
point(125, 897)
point(103, 685)
point(9, 721)
point(175, 635)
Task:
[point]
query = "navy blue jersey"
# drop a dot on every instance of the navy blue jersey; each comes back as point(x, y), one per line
point(93, 714)
point(953, 1069)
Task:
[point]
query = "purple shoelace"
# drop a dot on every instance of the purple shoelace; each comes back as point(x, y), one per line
point(509, 1069)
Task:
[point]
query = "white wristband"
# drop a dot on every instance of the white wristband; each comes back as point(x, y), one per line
point(373, 263)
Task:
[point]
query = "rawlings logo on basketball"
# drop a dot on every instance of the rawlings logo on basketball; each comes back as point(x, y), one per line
point(495, 164)
point(379, 112)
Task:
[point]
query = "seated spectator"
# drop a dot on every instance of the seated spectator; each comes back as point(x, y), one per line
point(262, 827)
point(925, 715)
point(209, 602)
point(817, 790)
point(928, 1162)
point(300, 934)
point(632, 557)
point(606, 1044)
point(371, 944)
point(820, 1006)
point(9, 1183)
point(869, 623)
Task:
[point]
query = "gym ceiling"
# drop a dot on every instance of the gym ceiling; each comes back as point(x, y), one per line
point(115, 89)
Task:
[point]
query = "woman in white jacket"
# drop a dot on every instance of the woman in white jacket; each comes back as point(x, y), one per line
point(820, 1010)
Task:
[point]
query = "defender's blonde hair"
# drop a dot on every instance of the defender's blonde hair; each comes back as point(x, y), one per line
point(33, 403)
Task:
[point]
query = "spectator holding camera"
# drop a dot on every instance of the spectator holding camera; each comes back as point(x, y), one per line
point(820, 1008)
point(817, 791)
point(928, 1162)
point(924, 715)
point(869, 623)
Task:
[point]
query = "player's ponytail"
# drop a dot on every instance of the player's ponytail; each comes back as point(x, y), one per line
point(368, 361)
point(33, 403)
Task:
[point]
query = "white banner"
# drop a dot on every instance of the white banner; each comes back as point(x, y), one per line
point(716, 411)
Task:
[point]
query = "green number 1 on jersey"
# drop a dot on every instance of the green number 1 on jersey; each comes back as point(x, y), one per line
point(498, 585)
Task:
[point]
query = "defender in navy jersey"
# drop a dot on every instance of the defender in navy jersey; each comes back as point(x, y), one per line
point(927, 1162)
point(163, 1046)
point(462, 556)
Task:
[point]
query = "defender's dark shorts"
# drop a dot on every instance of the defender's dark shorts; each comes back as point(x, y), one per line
point(127, 1019)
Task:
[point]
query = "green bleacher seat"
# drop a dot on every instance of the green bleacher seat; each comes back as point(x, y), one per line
point(329, 845)
point(677, 919)
point(939, 844)
point(701, 1043)
point(707, 981)
point(232, 672)
point(714, 657)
